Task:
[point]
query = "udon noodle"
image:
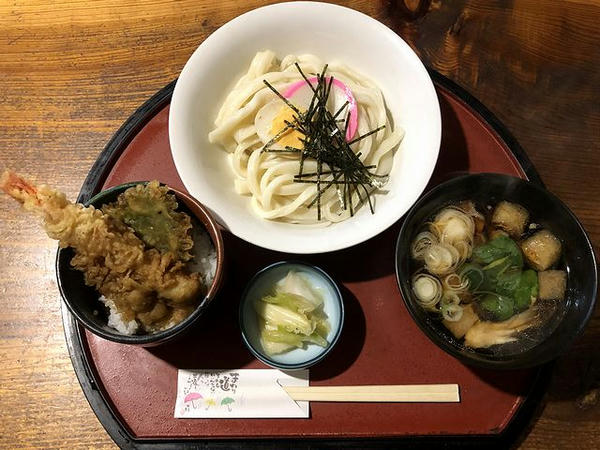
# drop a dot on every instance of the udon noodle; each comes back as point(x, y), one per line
point(268, 177)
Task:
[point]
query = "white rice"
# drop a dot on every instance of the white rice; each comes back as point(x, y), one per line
point(205, 255)
point(204, 261)
point(115, 319)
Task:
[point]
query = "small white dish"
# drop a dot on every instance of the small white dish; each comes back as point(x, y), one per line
point(332, 33)
point(261, 285)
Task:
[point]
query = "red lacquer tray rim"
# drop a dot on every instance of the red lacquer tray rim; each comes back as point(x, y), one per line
point(119, 432)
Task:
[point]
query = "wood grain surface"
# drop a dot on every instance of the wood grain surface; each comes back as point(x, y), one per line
point(71, 71)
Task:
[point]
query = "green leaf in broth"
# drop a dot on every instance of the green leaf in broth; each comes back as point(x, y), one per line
point(526, 290)
point(496, 307)
point(473, 273)
point(506, 282)
point(498, 248)
point(487, 253)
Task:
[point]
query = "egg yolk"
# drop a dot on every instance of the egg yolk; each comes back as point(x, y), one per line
point(291, 137)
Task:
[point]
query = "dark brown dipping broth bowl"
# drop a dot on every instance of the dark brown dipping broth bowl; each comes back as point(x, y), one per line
point(545, 209)
point(83, 302)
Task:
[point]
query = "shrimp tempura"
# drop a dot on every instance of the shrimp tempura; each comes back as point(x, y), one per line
point(152, 287)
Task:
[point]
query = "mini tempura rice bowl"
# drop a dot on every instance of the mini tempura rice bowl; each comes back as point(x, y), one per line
point(98, 314)
point(577, 260)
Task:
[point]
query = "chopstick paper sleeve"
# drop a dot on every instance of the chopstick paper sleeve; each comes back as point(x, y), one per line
point(244, 393)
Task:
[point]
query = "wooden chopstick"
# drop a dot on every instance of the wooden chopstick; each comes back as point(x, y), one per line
point(374, 393)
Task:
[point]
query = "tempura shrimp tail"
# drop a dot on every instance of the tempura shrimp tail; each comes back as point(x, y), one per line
point(73, 225)
point(51, 205)
point(20, 189)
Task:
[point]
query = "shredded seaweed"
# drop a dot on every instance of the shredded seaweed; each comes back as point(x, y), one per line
point(325, 142)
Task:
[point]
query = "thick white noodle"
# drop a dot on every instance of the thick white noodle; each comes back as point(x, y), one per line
point(269, 177)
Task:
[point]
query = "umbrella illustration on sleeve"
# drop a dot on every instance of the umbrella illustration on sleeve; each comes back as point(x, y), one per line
point(209, 402)
point(227, 401)
point(191, 397)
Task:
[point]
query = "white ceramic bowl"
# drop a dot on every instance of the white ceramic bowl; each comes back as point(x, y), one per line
point(332, 33)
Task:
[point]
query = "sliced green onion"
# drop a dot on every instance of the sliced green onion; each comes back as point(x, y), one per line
point(427, 290)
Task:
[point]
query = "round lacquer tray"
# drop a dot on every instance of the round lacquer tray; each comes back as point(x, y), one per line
point(132, 389)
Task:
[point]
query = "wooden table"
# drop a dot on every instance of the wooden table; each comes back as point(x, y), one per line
point(72, 71)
